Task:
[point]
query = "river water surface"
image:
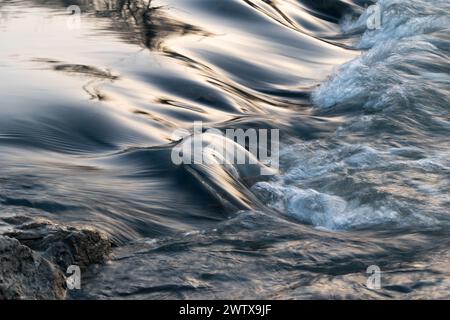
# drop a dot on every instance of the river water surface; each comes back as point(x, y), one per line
point(88, 108)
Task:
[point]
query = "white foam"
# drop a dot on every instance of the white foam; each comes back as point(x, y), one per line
point(400, 19)
point(349, 187)
point(403, 64)
point(377, 80)
point(403, 80)
point(323, 210)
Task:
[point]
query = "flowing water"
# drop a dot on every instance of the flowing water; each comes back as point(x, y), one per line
point(89, 107)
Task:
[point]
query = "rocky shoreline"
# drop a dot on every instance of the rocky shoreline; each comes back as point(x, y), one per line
point(35, 254)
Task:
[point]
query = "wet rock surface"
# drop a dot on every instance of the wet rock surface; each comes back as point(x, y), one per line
point(35, 253)
point(63, 245)
point(27, 275)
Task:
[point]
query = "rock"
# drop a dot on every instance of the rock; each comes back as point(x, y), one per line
point(26, 275)
point(36, 252)
point(61, 244)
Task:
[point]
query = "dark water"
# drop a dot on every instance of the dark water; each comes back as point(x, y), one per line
point(87, 116)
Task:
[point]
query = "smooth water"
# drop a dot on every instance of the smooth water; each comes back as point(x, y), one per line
point(88, 112)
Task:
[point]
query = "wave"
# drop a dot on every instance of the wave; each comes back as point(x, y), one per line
point(375, 169)
point(86, 137)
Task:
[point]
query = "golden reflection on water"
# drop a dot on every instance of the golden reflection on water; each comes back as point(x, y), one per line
point(127, 77)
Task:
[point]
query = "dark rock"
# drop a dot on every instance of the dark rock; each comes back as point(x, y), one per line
point(35, 253)
point(26, 275)
point(61, 244)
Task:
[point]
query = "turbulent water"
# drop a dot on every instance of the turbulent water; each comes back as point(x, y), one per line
point(89, 106)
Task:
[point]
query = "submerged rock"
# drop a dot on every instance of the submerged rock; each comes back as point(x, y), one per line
point(27, 275)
